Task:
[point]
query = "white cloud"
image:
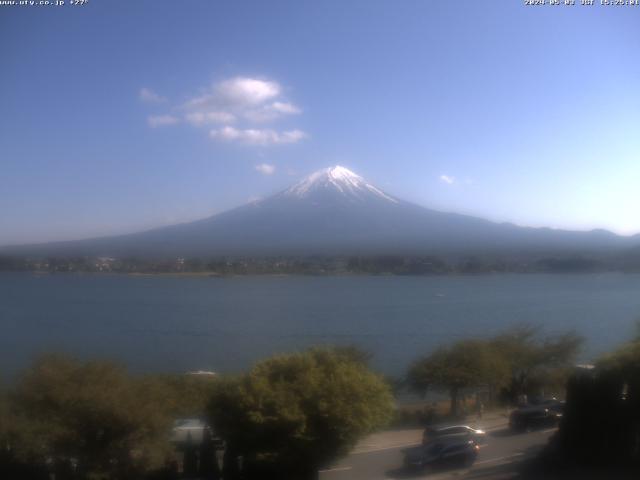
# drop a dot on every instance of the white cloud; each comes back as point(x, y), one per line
point(449, 180)
point(292, 136)
point(284, 107)
point(272, 111)
point(252, 136)
point(247, 91)
point(149, 96)
point(226, 133)
point(265, 168)
point(238, 92)
point(206, 118)
point(252, 99)
point(240, 101)
point(162, 120)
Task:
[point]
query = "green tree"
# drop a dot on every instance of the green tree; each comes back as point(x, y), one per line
point(182, 395)
point(292, 414)
point(623, 362)
point(465, 364)
point(533, 358)
point(91, 413)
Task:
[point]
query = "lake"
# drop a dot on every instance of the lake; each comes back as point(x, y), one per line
point(175, 324)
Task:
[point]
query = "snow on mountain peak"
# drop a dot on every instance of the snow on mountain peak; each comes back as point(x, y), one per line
point(336, 178)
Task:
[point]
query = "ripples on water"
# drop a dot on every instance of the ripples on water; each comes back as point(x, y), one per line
point(162, 323)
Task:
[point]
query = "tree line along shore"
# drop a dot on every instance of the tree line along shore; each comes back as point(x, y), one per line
point(540, 262)
point(292, 414)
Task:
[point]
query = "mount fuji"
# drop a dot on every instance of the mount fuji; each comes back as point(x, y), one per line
point(334, 212)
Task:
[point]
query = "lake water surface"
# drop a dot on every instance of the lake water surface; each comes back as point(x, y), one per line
point(162, 323)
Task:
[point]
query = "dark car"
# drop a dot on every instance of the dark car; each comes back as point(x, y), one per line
point(461, 431)
point(550, 403)
point(530, 418)
point(556, 406)
point(450, 452)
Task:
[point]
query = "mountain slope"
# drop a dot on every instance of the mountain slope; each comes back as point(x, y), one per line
point(334, 211)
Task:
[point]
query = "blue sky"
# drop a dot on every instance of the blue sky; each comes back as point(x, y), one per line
point(118, 116)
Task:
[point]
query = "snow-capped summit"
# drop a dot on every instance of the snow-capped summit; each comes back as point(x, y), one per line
point(332, 212)
point(336, 179)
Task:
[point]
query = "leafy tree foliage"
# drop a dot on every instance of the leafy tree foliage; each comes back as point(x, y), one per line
point(465, 364)
point(623, 363)
point(185, 396)
point(520, 361)
point(91, 419)
point(534, 360)
point(292, 414)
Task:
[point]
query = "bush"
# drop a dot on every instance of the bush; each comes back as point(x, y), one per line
point(292, 414)
point(85, 420)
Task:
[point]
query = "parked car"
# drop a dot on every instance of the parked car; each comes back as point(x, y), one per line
point(532, 417)
point(552, 402)
point(556, 406)
point(475, 434)
point(450, 451)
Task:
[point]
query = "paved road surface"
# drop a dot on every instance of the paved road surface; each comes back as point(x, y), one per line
point(498, 459)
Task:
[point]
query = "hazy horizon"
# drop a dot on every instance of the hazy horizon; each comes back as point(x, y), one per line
point(267, 196)
point(500, 111)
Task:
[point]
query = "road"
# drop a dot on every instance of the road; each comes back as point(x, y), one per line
point(498, 459)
